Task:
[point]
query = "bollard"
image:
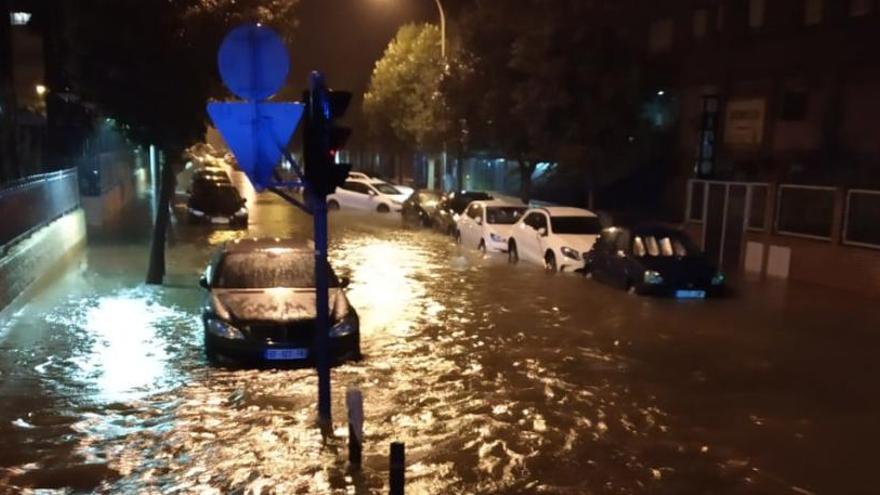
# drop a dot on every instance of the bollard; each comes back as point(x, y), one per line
point(397, 468)
point(354, 400)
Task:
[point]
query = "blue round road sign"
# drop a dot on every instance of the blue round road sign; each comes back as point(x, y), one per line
point(253, 62)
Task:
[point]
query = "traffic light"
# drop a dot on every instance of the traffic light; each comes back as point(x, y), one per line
point(323, 138)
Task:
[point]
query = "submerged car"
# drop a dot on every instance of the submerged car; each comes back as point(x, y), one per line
point(419, 208)
point(654, 260)
point(261, 304)
point(369, 195)
point(486, 225)
point(451, 207)
point(556, 237)
point(216, 203)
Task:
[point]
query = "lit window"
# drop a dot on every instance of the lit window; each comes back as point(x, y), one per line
point(813, 10)
point(651, 244)
point(860, 7)
point(701, 22)
point(638, 247)
point(19, 18)
point(756, 13)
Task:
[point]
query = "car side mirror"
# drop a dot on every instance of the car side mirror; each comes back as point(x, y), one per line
point(344, 282)
point(542, 231)
point(203, 282)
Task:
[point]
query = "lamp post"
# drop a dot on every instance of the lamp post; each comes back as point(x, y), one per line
point(443, 61)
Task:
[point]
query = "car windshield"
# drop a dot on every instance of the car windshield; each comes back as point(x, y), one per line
point(576, 225)
point(504, 215)
point(663, 246)
point(386, 188)
point(460, 201)
point(225, 198)
point(268, 268)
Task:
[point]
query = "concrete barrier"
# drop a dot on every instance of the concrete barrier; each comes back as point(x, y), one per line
point(32, 257)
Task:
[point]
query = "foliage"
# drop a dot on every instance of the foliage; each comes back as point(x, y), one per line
point(403, 102)
point(151, 65)
point(548, 80)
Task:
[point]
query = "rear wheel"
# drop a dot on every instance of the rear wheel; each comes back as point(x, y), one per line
point(383, 208)
point(332, 205)
point(550, 262)
point(512, 253)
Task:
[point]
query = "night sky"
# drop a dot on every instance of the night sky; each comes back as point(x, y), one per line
point(345, 38)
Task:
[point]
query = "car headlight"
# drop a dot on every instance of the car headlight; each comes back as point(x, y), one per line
point(653, 278)
point(223, 329)
point(241, 212)
point(718, 279)
point(196, 212)
point(345, 327)
point(570, 253)
point(496, 238)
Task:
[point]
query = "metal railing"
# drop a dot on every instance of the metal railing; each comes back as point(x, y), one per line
point(805, 211)
point(861, 220)
point(32, 202)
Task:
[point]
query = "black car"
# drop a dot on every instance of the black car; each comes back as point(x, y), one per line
point(654, 260)
point(216, 203)
point(261, 305)
point(419, 208)
point(450, 207)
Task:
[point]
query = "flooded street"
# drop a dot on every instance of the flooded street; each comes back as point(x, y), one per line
point(499, 379)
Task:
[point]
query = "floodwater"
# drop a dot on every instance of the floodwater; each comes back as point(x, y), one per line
point(499, 379)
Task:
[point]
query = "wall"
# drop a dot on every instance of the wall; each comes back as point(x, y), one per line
point(33, 257)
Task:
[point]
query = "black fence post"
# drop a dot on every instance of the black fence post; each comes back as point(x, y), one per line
point(397, 468)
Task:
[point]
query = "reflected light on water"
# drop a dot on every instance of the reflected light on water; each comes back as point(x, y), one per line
point(384, 288)
point(127, 357)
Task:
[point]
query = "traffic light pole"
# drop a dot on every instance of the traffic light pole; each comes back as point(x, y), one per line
point(322, 306)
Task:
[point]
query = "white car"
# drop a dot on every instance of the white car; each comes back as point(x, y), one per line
point(369, 195)
point(362, 176)
point(486, 225)
point(555, 237)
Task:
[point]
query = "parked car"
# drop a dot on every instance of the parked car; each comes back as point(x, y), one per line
point(260, 304)
point(419, 208)
point(216, 203)
point(359, 194)
point(556, 237)
point(655, 260)
point(451, 206)
point(406, 190)
point(486, 225)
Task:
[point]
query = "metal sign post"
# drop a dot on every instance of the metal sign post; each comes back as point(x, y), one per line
point(254, 64)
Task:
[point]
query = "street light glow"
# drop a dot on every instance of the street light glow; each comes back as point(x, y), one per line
point(41, 90)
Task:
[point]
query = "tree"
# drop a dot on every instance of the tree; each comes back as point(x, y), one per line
point(546, 80)
point(151, 65)
point(403, 104)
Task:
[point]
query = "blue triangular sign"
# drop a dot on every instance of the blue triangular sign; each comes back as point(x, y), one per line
point(257, 134)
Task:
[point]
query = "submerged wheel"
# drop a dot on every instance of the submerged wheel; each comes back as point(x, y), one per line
point(332, 205)
point(383, 209)
point(550, 262)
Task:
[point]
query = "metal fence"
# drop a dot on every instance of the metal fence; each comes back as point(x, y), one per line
point(32, 202)
point(861, 224)
point(806, 211)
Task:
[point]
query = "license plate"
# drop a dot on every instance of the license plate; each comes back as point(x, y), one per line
point(285, 354)
point(690, 294)
point(219, 220)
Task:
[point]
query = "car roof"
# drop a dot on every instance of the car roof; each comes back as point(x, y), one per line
point(251, 244)
point(498, 202)
point(565, 211)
